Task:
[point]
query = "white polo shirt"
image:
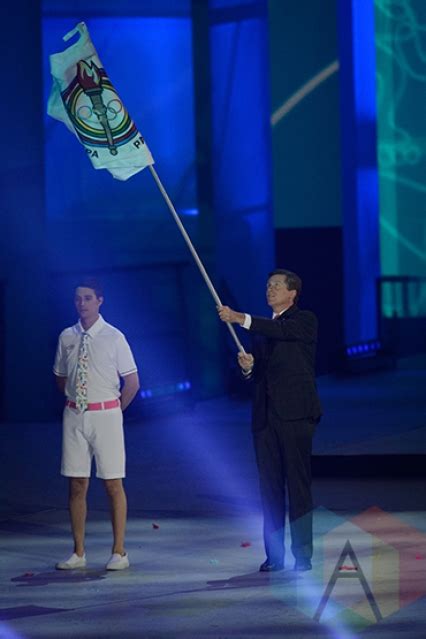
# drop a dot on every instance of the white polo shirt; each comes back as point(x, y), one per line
point(109, 355)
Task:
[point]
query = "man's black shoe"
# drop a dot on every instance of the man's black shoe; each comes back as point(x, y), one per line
point(302, 565)
point(268, 566)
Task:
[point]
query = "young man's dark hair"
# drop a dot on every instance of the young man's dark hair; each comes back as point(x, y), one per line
point(87, 281)
point(293, 281)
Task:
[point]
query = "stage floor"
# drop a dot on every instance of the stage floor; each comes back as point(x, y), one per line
point(195, 530)
point(197, 576)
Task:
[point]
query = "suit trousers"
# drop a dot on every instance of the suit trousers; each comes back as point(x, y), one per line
point(283, 454)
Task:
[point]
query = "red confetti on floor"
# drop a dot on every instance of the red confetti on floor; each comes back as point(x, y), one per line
point(245, 544)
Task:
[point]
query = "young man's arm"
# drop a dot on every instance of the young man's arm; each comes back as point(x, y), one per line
point(61, 383)
point(130, 388)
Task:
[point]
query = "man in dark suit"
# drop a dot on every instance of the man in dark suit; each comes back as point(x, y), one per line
point(286, 409)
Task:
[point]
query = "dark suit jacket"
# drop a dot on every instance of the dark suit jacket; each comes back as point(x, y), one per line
point(284, 360)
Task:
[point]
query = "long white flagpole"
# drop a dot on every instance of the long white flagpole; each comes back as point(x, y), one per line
point(194, 253)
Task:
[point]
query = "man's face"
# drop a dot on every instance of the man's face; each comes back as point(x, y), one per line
point(87, 304)
point(277, 293)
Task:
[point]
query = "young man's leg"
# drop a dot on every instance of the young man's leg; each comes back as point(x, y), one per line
point(78, 510)
point(110, 458)
point(118, 505)
point(76, 463)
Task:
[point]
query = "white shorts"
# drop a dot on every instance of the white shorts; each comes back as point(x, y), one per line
point(97, 433)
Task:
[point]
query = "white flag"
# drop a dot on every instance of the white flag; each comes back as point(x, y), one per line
point(84, 98)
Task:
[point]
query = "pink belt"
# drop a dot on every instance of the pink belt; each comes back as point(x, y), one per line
point(112, 403)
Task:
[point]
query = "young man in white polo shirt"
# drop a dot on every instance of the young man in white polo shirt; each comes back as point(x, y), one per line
point(91, 357)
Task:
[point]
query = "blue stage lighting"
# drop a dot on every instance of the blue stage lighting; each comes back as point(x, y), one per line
point(169, 389)
point(366, 349)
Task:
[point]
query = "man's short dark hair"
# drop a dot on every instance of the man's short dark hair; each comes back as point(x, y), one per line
point(88, 281)
point(293, 281)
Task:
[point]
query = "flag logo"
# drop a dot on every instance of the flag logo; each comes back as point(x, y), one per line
point(85, 100)
point(96, 111)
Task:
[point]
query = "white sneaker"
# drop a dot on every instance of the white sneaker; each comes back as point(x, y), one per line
point(118, 562)
point(72, 563)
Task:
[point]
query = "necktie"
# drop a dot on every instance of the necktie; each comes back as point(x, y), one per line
point(81, 382)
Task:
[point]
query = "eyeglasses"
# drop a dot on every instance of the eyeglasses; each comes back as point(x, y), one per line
point(276, 284)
